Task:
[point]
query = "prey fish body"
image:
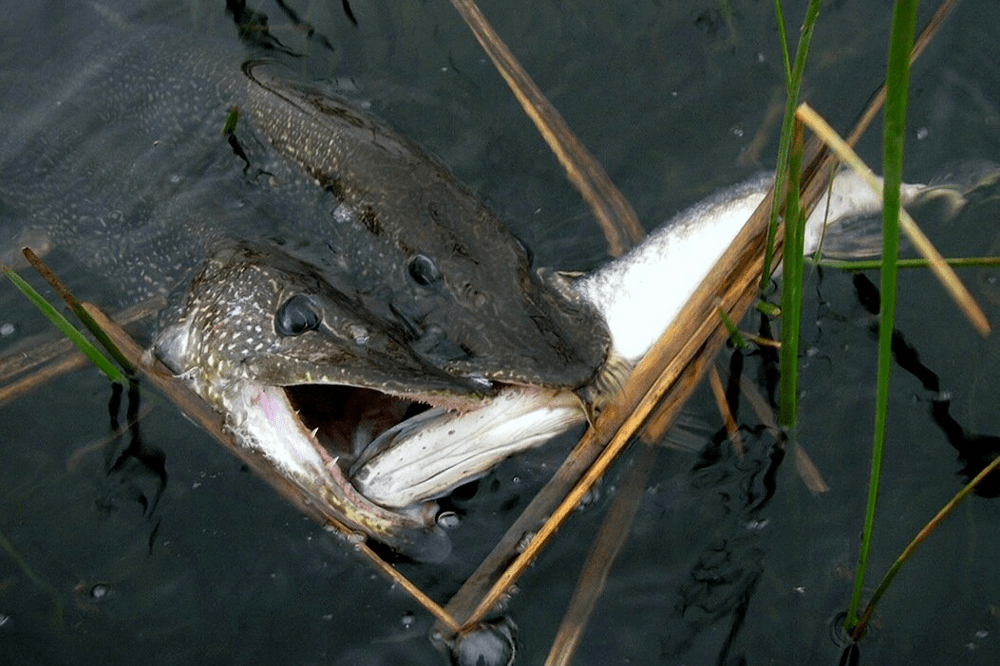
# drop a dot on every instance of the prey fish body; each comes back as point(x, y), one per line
point(639, 295)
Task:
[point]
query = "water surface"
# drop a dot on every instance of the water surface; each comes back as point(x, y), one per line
point(163, 549)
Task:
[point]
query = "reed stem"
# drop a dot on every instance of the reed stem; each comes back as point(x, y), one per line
point(897, 85)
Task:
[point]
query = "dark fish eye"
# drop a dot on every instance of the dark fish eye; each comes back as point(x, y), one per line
point(296, 316)
point(424, 271)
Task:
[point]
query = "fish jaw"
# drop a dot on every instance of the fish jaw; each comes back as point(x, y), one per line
point(267, 418)
point(262, 418)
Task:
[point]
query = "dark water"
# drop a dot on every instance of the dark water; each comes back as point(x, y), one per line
point(162, 549)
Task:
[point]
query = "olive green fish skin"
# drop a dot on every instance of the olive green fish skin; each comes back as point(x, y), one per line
point(240, 366)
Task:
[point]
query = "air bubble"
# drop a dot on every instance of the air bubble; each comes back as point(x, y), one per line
point(488, 645)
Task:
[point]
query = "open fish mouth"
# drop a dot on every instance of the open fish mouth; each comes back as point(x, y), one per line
point(310, 432)
point(348, 418)
point(379, 459)
point(432, 451)
point(404, 452)
point(399, 453)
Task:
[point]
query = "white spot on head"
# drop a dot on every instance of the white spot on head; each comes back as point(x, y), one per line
point(359, 334)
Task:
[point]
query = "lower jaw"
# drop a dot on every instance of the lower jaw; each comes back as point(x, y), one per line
point(266, 421)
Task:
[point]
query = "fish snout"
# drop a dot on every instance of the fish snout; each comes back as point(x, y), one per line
point(540, 333)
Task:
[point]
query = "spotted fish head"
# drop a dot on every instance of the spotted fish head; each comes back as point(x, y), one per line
point(307, 376)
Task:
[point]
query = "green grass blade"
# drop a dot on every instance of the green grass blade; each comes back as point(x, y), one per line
point(876, 264)
point(734, 332)
point(779, 14)
point(793, 84)
point(791, 290)
point(78, 309)
point(792, 284)
point(768, 308)
point(76, 337)
point(897, 86)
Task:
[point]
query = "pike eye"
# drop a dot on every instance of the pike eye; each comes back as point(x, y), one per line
point(424, 271)
point(298, 315)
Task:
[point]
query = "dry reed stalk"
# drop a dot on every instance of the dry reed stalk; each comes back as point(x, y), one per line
point(607, 544)
point(942, 271)
point(612, 210)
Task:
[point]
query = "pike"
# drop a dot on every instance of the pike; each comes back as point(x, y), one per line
point(317, 260)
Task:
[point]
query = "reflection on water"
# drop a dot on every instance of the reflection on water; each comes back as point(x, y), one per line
point(154, 542)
